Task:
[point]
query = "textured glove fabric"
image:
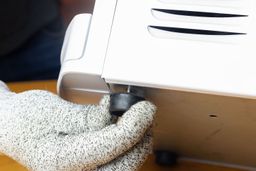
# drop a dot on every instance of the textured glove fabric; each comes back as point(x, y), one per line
point(46, 133)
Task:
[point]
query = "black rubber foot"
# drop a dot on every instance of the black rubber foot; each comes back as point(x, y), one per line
point(166, 158)
point(121, 102)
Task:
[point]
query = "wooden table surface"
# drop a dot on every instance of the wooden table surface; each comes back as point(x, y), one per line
point(7, 164)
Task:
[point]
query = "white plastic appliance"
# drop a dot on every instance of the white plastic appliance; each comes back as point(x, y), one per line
point(194, 58)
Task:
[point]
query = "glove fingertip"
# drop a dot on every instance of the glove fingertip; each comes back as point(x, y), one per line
point(144, 108)
point(149, 106)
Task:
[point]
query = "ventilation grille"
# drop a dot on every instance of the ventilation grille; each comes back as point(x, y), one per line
point(209, 20)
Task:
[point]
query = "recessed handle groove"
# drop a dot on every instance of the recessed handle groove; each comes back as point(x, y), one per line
point(196, 31)
point(198, 13)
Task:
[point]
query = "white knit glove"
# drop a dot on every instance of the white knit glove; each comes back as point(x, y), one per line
point(45, 133)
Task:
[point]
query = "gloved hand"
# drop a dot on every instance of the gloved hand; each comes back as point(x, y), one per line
point(45, 133)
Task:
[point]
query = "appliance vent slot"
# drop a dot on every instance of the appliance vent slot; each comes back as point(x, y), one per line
point(200, 20)
point(198, 13)
point(195, 31)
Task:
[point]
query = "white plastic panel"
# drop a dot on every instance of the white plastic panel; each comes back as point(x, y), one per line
point(235, 4)
point(83, 59)
point(76, 37)
point(218, 64)
point(98, 38)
